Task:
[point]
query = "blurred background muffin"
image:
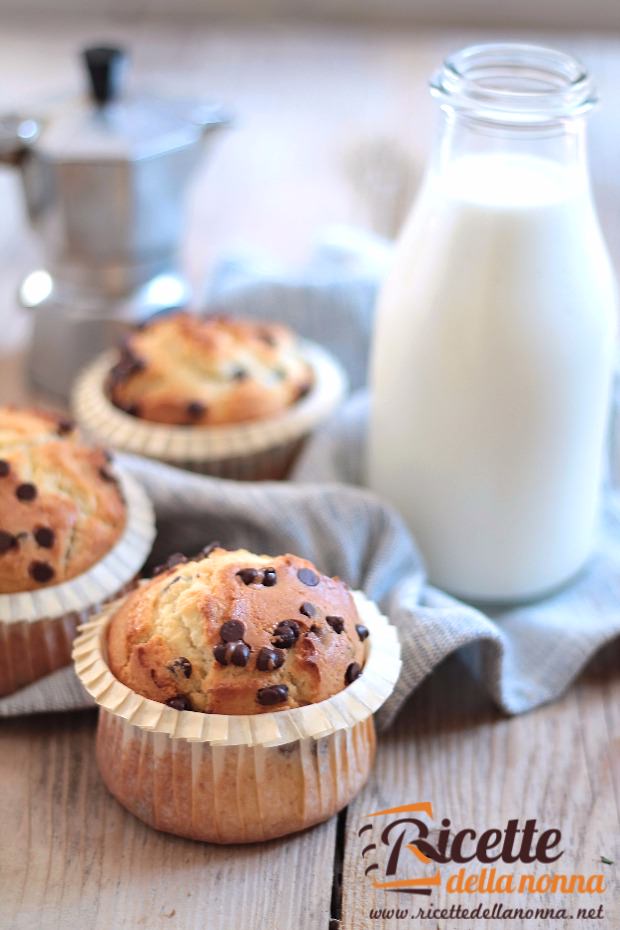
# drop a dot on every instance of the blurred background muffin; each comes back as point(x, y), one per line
point(74, 531)
point(61, 507)
point(188, 370)
point(221, 396)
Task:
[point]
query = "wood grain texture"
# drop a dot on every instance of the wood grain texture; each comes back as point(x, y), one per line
point(559, 764)
point(72, 857)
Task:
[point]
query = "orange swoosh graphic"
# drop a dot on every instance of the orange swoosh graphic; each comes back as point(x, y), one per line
point(424, 807)
point(410, 882)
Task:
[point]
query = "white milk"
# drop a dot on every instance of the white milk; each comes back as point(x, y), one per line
point(492, 362)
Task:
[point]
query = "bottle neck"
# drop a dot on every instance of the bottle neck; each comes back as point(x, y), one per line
point(461, 135)
point(517, 105)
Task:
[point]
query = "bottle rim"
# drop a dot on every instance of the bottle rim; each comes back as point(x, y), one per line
point(514, 84)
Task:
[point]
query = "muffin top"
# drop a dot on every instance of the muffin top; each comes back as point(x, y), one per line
point(236, 633)
point(61, 509)
point(187, 370)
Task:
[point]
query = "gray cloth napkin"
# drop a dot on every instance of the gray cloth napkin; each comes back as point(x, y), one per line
point(524, 656)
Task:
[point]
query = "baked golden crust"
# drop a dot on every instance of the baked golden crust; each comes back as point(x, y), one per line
point(61, 509)
point(187, 370)
point(238, 633)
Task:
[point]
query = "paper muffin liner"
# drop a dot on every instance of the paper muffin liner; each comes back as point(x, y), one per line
point(237, 778)
point(37, 628)
point(256, 450)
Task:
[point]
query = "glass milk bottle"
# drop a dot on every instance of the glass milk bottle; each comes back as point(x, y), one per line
point(495, 334)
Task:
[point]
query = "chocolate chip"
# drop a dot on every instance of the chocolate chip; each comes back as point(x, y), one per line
point(131, 360)
point(236, 653)
point(65, 426)
point(177, 558)
point(267, 337)
point(26, 491)
point(41, 572)
point(128, 365)
point(336, 623)
point(239, 374)
point(5, 468)
point(353, 671)
point(241, 654)
point(195, 409)
point(269, 577)
point(133, 410)
point(232, 630)
point(307, 609)
point(274, 694)
point(181, 666)
point(248, 575)
point(315, 629)
point(362, 631)
point(269, 659)
point(285, 634)
point(180, 702)
point(44, 537)
point(220, 653)
point(106, 474)
point(7, 541)
point(308, 577)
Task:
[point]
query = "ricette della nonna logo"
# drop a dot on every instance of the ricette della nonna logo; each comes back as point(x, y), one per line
point(406, 850)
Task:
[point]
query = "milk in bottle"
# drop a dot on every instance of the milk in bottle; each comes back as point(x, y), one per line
point(494, 339)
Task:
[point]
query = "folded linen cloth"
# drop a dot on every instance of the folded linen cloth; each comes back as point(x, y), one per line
point(524, 656)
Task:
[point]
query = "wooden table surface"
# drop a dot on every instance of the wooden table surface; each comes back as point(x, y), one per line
point(318, 110)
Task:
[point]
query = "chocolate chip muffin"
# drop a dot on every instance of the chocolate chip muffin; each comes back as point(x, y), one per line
point(235, 633)
point(185, 370)
point(61, 509)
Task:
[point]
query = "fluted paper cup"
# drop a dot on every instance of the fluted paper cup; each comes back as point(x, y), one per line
point(37, 628)
point(237, 779)
point(256, 450)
